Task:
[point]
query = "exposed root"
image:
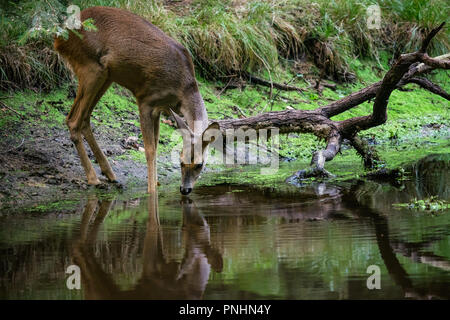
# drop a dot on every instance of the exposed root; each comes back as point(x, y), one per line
point(368, 153)
point(386, 174)
point(312, 172)
point(318, 160)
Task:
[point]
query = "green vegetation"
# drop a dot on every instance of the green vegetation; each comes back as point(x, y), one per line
point(54, 206)
point(228, 37)
point(431, 204)
point(412, 114)
point(283, 41)
point(346, 166)
point(264, 251)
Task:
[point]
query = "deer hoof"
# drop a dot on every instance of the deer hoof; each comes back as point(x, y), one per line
point(94, 182)
point(110, 176)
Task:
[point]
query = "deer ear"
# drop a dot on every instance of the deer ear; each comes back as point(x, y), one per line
point(181, 124)
point(211, 136)
point(212, 125)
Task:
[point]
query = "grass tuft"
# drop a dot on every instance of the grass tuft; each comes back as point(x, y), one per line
point(228, 37)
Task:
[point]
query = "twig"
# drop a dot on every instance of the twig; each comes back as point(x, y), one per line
point(279, 86)
point(240, 110)
point(223, 114)
point(278, 92)
point(430, 36)
point(11, 109)
point(224, 88)
point(23, 139)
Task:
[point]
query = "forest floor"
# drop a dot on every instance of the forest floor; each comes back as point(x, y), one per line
point(38, 162)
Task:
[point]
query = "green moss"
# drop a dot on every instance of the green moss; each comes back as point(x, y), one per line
point(46, 109)
point(117, 114)
point(345, 166)
point(65, 205)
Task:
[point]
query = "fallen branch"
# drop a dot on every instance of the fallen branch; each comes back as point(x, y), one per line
point(252, 79)
point(318, 122)
point(430, 86)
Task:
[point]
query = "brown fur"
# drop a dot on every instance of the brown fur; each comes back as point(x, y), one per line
point(132, 52)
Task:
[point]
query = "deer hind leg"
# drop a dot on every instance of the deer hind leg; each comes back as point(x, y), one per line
point(150, 132)
point(91, 79)
point(88, 135)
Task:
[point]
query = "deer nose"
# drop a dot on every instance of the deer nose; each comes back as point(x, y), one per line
point(185, 191)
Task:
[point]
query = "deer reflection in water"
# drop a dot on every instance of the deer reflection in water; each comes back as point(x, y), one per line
point(159, 279)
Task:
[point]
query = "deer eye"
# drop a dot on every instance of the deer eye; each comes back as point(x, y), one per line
point(199, 166)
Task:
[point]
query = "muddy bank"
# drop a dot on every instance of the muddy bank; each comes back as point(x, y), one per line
point(38, 163)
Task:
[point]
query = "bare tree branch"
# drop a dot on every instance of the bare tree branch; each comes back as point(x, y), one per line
point(430, 86)
point(405, 70)
point(426, 42)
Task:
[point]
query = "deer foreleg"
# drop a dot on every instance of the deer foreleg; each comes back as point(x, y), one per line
point(98, 154)
point(75, 136)
point(150, 133)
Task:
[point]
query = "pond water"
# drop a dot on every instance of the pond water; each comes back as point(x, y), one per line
point(238, 242)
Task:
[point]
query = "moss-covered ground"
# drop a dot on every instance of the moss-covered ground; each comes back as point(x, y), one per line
point(418, 124)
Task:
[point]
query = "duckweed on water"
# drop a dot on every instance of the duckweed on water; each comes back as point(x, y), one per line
point(431, 204)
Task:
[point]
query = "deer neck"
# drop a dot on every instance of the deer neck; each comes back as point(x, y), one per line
point(195, 114)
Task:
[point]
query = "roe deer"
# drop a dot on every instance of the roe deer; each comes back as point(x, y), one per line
point(161, 277)
point(128, 50)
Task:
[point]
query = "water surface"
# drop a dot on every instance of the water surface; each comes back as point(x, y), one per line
point(238, 242)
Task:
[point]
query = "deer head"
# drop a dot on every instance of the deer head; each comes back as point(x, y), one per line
point(194, 155)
